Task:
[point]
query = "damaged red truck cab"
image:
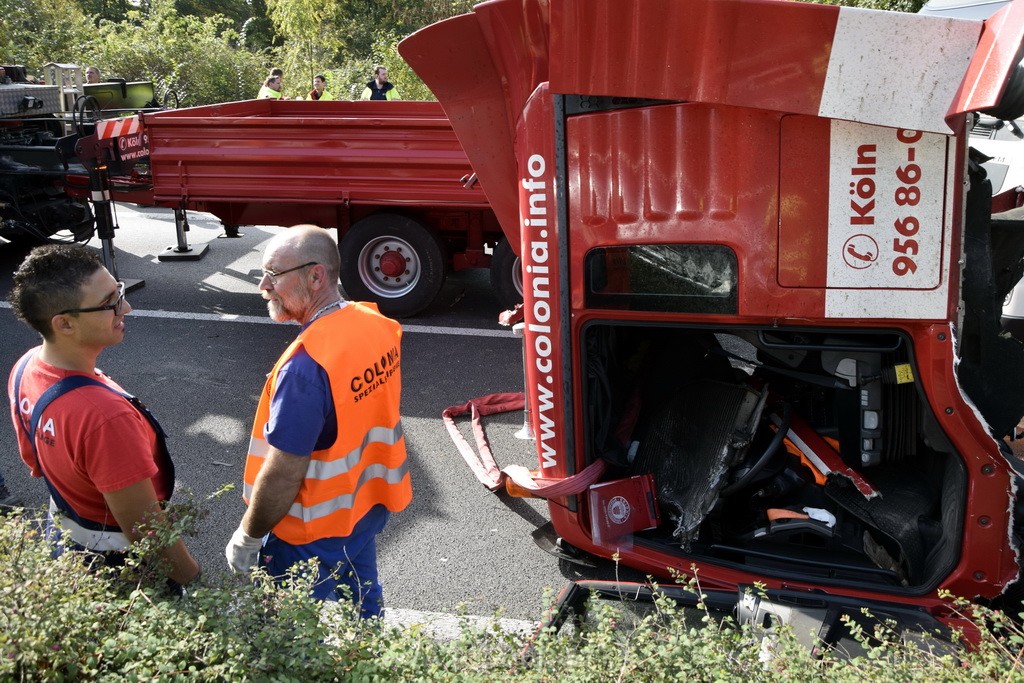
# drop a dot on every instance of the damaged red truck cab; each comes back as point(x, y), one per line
point(762, 266)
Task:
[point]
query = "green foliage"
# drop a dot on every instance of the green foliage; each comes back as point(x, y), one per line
point(107, 10)
point(352, 78)
point(249, 18)
point(311, 40)
point(35, 32)
point(68, 619)
point(65, 619)
point(361, 21)
point(890, 5)
point(347, 38)
point(195, 58)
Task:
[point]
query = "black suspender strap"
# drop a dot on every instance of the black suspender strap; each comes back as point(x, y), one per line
point(49, 396)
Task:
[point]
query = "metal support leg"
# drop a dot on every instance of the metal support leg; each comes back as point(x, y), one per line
point(230, 230)
point(181, 251)
point(99, 186)
point(526, 431)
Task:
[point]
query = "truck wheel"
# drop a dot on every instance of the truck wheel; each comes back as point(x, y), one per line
point(393, 261)
point(60, 220)
point(506, 275)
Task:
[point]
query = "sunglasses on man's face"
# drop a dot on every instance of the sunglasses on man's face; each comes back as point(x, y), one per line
point(115, 307)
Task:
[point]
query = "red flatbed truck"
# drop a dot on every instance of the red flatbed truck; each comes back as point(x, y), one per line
point(762, 267)
point(391, 177)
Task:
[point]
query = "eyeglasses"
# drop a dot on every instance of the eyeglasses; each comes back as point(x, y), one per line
point(115, 307)
point(274, 274)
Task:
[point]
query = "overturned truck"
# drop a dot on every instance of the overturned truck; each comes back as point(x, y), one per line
point(762, 270)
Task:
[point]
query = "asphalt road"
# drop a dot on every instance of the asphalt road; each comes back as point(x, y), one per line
point(197, 350)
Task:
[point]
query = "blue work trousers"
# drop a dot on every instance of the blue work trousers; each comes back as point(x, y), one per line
point(342, 561)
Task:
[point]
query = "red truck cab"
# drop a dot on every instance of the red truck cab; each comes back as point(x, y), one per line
point(762, 266)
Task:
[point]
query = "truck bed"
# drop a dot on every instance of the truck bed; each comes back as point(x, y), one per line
point(357, 153)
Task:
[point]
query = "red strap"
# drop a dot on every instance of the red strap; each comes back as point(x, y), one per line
point(482, 462)
point(511, 317)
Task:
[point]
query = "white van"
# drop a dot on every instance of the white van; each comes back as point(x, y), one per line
point(964, 9)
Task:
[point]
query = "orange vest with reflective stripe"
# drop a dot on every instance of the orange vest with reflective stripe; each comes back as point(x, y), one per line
point(361, 351)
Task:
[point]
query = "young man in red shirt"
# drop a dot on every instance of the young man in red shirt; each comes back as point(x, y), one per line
point(101, 454)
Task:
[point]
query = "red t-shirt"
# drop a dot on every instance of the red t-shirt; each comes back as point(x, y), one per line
point(90, 440)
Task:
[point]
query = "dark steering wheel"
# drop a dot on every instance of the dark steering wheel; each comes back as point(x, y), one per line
point(785, 418)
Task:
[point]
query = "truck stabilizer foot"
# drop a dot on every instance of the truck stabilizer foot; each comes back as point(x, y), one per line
point(231, 231)
point(131, 284)
point(177, 254)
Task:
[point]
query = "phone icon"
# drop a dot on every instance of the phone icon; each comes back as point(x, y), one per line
point(860, 251)
point(851, 249)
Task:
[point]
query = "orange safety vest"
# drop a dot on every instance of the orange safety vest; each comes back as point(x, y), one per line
point(360, 350)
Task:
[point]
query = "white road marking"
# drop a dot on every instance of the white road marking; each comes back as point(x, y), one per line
point(443, 626)
point(263, 320)
point(450, 626)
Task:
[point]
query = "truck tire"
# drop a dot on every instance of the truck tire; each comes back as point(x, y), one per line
point(506, 275)
point(394, 261)
point(55, 220)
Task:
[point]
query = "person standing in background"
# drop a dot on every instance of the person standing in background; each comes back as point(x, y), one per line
point(271, 89)
point(319, 91)
point(380, 88)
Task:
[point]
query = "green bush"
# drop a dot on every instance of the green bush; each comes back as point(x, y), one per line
point(64, 619)
point(36, 32)
point(197, 59)
point(67, 619)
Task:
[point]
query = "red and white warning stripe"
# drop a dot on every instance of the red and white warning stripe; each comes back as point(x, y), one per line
point(115, 128)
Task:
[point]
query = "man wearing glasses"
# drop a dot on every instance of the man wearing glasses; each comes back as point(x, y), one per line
point(327, 462)
point(100, 453)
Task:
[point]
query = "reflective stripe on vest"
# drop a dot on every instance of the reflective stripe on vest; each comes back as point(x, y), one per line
point(97, 541)
point(326, 469)
point(346, 501)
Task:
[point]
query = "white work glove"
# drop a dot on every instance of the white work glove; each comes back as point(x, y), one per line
point(242, 550)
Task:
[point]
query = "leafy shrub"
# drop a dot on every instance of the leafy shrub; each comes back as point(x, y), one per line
point(32, 35)
point(64, 619)
point(197, 59)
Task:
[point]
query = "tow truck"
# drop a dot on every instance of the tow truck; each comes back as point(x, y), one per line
point(44, 186)
point(763, 272)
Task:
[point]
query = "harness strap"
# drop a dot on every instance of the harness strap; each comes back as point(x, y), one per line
point(482, 461)
point(49, 396)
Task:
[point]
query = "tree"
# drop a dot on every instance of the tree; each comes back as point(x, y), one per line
point(891, 5)
point(365, 19)
point(29, 34)
point(194, 58)
point(311, 41)
point(249, 18)
point(107, 10)
point(346, 38)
